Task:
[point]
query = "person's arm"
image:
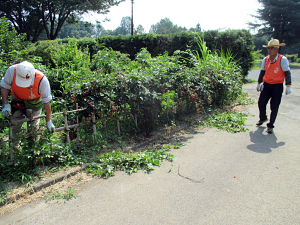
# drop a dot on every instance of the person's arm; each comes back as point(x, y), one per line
point(49, 123)
point(284, 64)
point(288, 78)
point(45, 91)
point(6, 82)
point(5, 88)
point(261, 76)
point(262, 71)
point(4, 94)
point(47, 111)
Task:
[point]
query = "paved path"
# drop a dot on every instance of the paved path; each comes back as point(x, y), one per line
point(249, 178)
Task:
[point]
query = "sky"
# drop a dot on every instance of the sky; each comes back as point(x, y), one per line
point(210, 14)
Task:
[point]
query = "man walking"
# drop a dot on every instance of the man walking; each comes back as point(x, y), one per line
point(274, 70)
point(30, 92)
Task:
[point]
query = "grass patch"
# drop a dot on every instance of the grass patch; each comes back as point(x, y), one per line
point(231, 122)
point(68, 195)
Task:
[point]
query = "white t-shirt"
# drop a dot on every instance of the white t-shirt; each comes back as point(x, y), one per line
point(44, 88)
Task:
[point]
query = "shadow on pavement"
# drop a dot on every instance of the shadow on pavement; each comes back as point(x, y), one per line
point(263, 143)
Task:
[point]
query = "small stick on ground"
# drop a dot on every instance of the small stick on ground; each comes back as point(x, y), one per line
point(196, 181)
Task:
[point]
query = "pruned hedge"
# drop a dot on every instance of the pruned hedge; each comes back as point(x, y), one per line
point(239, 42)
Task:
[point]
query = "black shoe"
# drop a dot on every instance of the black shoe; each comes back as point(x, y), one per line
point(259, 123)
point(270, 130)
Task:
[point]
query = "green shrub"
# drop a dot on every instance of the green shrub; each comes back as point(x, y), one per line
point(10, 43)
point(155, 91)
point(238, 42)
point(45, 50)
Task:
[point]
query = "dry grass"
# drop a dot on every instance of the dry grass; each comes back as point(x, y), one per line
point(23, 195)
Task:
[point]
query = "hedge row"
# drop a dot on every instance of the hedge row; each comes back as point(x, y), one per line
point(155, 91)
point(238, 42)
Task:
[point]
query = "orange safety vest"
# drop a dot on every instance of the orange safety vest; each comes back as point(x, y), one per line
point(27, 93)
point(274, 74)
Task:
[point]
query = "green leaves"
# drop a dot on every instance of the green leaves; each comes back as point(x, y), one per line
point(231, 122)
point(156, 91)
point(108, 163)
point(10, 45)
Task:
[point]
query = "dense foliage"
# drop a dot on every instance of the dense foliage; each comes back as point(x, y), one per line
point(143, 95)
point(238, 42)
point(10, 43)
point(155, 90)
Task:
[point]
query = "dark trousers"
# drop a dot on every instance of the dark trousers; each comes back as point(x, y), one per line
point(273, 92)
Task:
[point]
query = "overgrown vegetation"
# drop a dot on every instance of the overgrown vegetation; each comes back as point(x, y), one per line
point(143, 94)
point(238, 42)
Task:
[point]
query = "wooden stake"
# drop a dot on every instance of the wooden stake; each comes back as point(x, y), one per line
point(118, 124)
point(94, 123)
point(77, 121)
point(66, 126)
point(10, 141)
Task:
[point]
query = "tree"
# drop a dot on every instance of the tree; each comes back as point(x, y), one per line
point(166, 26)
point(280, 19)
point(123, 29)
point(198, 28)
point(162, 27)
point(125, 26)
point(77, 30)
point(139, 30)
point(99, 30)
point(35, 16)
point(259, 41)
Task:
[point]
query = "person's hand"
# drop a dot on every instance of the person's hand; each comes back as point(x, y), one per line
point(50, 127)
point(258, 87)
point(288, 90)
point(6, 110)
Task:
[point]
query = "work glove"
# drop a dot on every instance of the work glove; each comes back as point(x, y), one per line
point(6, 110)
point(50, 126)
point(288, 90)
point(259, 87)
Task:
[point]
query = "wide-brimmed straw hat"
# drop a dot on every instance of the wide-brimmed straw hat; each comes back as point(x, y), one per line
point(273, 43)
point(25, 73)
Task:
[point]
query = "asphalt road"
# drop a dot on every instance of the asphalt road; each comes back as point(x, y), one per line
point(244, 178)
